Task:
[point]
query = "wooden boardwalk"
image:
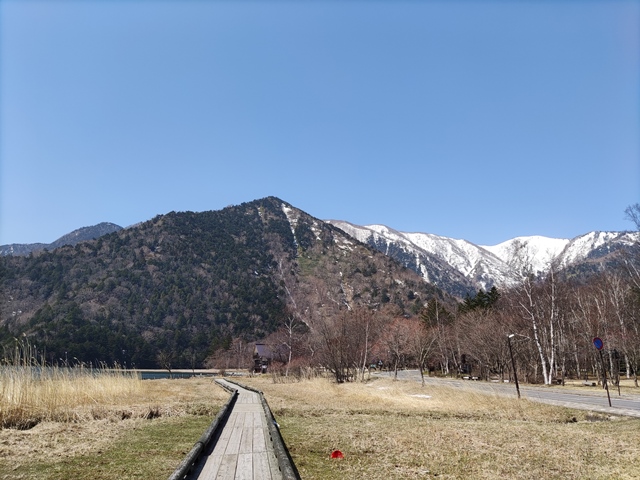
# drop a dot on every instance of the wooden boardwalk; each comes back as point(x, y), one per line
point(244, 449)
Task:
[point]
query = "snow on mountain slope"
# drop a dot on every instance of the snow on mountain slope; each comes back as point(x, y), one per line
point(596, 244)
point(536, 250)
point(462, 267)
point(457, 266)
point(542, 251)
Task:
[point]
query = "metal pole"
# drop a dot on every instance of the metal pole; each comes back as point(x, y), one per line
point(604, 376)
point(513, 364)
point(617, 354)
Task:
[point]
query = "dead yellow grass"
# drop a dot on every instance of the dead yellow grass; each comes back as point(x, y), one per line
point(29, 395)
point(101, 415)
point(391, 430)
point(386, 429)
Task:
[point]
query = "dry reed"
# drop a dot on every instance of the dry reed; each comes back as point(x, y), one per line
point(140, 434)
point(32, 392)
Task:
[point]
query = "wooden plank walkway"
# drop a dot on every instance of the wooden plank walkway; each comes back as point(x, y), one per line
point(244, 450)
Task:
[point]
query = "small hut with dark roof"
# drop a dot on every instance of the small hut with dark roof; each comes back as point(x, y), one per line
point(262, 358)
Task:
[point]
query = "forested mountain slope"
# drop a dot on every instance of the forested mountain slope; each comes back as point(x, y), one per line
point(185, 284)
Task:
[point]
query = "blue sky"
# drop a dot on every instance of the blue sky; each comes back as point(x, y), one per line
point(468, 119)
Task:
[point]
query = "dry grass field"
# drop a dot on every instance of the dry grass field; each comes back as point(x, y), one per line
point(101, 427)
point(400, 430)
point(31, 395)
point(127, 428)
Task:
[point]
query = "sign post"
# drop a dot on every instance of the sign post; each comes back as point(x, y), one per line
point(513, 364)
point(598, 343)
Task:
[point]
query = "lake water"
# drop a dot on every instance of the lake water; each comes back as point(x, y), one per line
point(155, 375)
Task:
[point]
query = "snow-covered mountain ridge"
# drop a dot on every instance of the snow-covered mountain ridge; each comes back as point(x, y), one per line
point(461, 267)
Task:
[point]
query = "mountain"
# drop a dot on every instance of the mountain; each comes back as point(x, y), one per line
point(461, 268)
point(80, 235)
point(187, 283)
point(458, 267)
point(590, 248)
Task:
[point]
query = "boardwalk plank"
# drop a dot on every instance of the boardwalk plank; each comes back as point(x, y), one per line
point(227, 469)
point(243, 450)
point(246, 442)
point(259, 444)
point(261, 466)
point(233, 446)
point(244, 470)
point(211, 467)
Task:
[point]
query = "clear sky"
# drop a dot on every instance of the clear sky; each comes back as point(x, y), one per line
point(482, 120)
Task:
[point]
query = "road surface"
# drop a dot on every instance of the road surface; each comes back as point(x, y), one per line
point(594, 399)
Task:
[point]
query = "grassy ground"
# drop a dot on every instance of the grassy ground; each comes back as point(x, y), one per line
point(386, 430)
point(145, 451)
point(391, 430)
point(144, 435)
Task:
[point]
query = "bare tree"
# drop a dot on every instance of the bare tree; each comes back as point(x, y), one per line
point(437, 319)
point(537, 301)
point(484, 332)
point(632, 261)
point(241, 353)
point(289, 336)
point(586, 314)
point(618, 295)
point(421, 343)
point(367, 330)
point(191, 356)
point(238, 356)
point(632, 213)
point(337, 350)
point(631, 341)
point(165, 359)
point(396, 339)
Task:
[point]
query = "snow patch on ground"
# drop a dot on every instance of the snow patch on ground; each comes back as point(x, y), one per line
point(315, 228)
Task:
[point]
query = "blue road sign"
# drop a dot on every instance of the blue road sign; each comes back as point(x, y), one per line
point(598, 343)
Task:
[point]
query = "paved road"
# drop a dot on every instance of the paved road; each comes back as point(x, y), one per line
point(595, 400)
point(244, 449)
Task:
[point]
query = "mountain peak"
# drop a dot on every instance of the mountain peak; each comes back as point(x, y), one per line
point(73, 238)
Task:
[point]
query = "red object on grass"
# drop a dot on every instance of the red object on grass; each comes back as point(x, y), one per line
point(337, 454)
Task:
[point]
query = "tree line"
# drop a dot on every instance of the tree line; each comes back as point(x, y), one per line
point(551, 321)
